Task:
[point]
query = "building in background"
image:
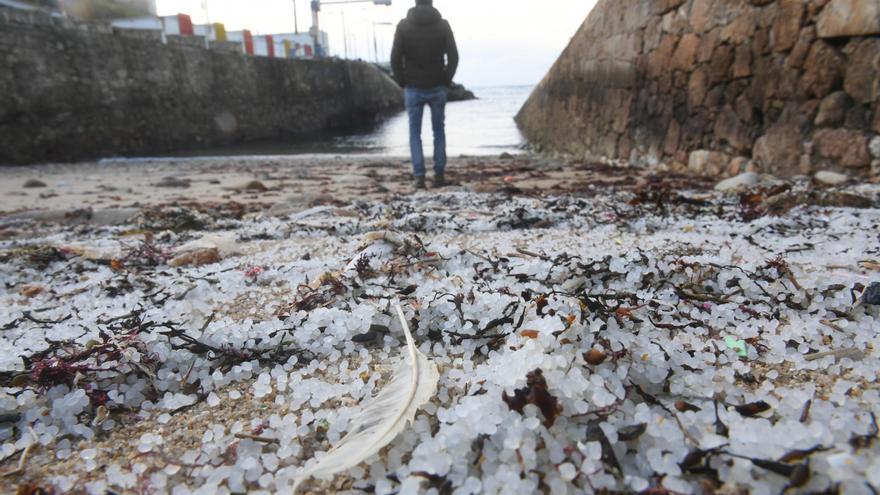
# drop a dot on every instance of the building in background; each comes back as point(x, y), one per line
point(296, 45)
point(140, 15)
point(244, 37)
point(211, 32)
point(264, 45)
point(178, 25)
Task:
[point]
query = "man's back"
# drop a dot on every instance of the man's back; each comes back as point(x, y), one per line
point(422, 41)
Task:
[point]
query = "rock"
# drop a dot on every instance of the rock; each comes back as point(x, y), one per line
point(34, 184)
point(846, 147)
point(832, 110)
point(173, 183)
point(506, 156)
point(779, 149)
point(31, 290)
point(830, 178)
point(788, 25)
point(225, 244)
point(709, 163)
point(196, 258)
point(862, 80)
point(871, 296)
point(874, 147)
point(849, 18)
point(823, 70)
point(255, 186)
point(739, 183)
point(371, 335)
point(458, 92)
point(785, 202)
point(738, 166)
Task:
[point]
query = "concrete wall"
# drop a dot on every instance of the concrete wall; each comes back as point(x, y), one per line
point(718, 86)
point(73, 92)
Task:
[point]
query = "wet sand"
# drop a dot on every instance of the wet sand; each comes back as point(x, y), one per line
point(285, 184)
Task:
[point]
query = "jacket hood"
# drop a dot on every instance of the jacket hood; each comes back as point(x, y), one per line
point(424, 15)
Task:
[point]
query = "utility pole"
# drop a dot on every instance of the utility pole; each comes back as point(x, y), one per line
point(316, 27)
point(345, 34)
point(376, 38)
point(295, 19)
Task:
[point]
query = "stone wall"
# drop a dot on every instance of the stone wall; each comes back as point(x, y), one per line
point(718, 86)
point(73, 92)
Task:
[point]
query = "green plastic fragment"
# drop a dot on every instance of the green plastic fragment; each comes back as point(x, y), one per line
point(737, 345)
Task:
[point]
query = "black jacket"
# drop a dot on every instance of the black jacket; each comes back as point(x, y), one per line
point(420, 44)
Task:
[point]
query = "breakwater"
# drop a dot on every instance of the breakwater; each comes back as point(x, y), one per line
point(72, 92)
point(718, 86)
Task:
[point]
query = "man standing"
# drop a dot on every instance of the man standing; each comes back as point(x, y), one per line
point(424, 60)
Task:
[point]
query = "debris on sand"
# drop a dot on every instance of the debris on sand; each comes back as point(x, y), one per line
point(34, 184)
point(646, 337)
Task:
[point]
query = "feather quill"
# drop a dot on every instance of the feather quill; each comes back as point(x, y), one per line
point(413, 384)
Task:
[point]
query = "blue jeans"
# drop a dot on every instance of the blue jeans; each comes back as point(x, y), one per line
point(415, 106)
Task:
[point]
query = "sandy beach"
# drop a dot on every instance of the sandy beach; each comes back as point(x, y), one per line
point(211, 325)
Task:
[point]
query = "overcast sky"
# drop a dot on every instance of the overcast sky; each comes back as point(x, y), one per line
point(502, 42)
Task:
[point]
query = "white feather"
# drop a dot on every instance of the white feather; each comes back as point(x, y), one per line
point(412, 385)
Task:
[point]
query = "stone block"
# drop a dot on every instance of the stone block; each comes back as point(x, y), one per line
point(673, 137)
point(742, 62)
point(862, 80)
point(708, 42)
point(832, 110)
point(842, 18)
point(701, 18)
point(719, 67)
point(728, 129)
point(664, 6)
point(779, 149)
point(708, 163)
point(788, 25)
point(658, 61)
point(675, 21)
point(745, 110)
point(741, 29)
point(761, 42)
point(823, 70)
point(697, 87)
point(686, 52)
point(845, 147)
point(801, 49)
point(653, 34)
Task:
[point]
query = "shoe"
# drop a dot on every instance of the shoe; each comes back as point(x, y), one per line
point(420, 182)
point(439, 181)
